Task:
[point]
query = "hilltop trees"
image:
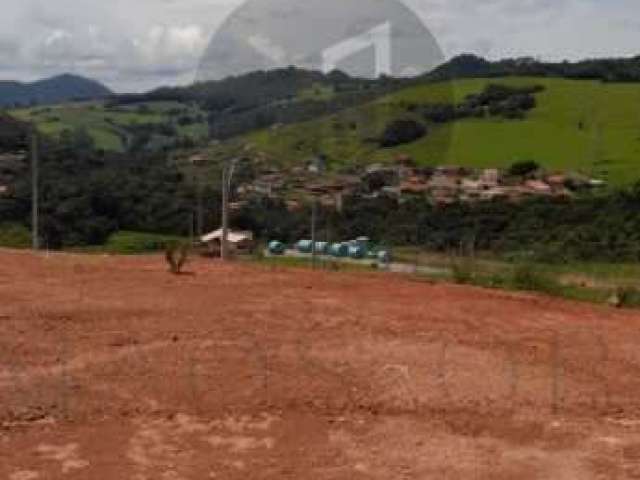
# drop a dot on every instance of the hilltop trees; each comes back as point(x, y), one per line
point(524, 168)
point(605, 69)
point(495, 100)
point(402, 131)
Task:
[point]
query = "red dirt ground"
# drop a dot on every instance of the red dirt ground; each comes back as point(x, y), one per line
point(111, 369)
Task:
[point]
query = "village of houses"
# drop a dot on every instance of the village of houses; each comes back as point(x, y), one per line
point(403, 179)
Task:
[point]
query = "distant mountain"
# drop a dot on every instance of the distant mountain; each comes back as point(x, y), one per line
point(236, 105)
point(57, 89)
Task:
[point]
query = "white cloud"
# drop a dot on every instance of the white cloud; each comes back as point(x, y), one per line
point(140, 45)
point(162, 44)
point(57, 37)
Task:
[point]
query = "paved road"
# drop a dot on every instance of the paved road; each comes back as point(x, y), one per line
point(394, 267)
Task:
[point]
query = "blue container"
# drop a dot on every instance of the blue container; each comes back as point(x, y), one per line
point(357, 252)
point(364, 242)
point(322, 248)
point(339, 250)
point(277, 248)
point(304, 246)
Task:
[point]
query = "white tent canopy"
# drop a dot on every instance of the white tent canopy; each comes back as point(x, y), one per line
point(232, 236)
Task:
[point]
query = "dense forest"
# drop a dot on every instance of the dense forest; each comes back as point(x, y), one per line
point(86, 194)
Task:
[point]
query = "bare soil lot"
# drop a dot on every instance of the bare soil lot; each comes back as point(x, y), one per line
point(111, 368)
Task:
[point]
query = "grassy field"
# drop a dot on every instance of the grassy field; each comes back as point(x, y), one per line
point(585, 281)
point(584, 126)
point(108, 126)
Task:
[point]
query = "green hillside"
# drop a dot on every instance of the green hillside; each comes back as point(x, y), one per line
point(580, 125)
point(111, 127)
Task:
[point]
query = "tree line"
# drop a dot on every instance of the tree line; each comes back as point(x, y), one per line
point(473, 66)
point(600, 227)
point(493, 101)
point(87, 194)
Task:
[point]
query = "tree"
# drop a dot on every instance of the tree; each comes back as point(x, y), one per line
point(176, 255)
point(524, 168)
point(400, 132)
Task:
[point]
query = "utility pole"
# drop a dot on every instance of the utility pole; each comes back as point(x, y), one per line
point(227, 174)
point(319, 169)
point(225, 215)
point(200, 213)
point(35, 239)
point(197, 217)
point(314, 215)
point(192, 223)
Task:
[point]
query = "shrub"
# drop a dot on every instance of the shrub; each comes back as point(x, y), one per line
point(625, 297)
point(524, 168)
point(176, 255)
point(441, 113)
point(463, 270)
point(14, 235)
point(400, 132)
point(527, 277)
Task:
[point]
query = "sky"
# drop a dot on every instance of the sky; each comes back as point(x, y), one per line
point(136, 45)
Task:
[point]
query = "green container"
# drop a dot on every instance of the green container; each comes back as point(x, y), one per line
point(304, 246)
point(277, 248)
point(339, 250)
point(364, 242)
point(357, 252)
point(322, 248)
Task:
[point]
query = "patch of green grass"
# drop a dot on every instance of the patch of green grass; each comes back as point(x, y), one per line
point(107, 124)
point(580, 281)
point(132, 243)
point(195, 130)
point(317, 92)
point(526, 276)
point(609, 275)
point(13, 235)
point(612, 272)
